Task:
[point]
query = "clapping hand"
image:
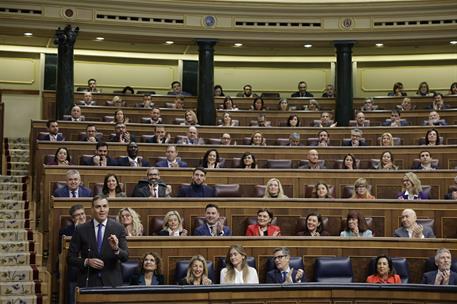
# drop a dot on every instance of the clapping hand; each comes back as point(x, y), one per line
point(417, 231)
point(299, 275)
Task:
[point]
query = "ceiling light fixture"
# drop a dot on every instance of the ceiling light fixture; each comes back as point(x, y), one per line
point(308, 46)
point(453, 42)
point(28, 34)
point(99, 39)
point(237, 44)
point(169, 42)
point(379, 44)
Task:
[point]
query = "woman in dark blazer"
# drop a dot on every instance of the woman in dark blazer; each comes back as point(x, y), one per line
point(150, 271)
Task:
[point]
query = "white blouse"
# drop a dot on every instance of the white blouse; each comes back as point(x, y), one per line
point(251, 279)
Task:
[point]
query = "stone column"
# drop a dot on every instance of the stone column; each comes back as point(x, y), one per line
point(65, 39)
point(343, 110)
point(206, 110)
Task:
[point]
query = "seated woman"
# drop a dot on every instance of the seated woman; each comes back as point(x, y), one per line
point(293, 121)
point(197, 272)
point(356, 226)
point(258, 104)
point(263, 226)
point(361, 190)
point(274, 189)
point(257, 139)
point(61, 158)
point(386, 162)
point(349, 162)
point(119, 117)
point(211, 159)
point(314, 226)
point(150, 267)
point(283, 105)
point(237, 270)
point(248, 161)
point(312, 106)
point(385, 272)
point(228, 104)
point(131, 222)
point(227, 121)
point(432, 138)
point(190, 119)
point(423, 89)
point(321, 191)
point(453, 89)
point(406, 105)
point(411, 188)
point(111, 187)
point(387, 140)
point(218, 91)
point(397, 90)
point(172, 225)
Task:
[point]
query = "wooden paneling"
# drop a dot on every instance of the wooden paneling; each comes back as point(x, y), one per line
point(2, 132)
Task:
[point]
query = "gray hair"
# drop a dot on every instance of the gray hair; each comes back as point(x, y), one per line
point(439, 252)
point(284, 250)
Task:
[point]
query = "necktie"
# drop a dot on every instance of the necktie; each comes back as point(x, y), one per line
point(73, 193)
point(99, 237)
point(284, 275)
point(154, 192)
point(212, 230)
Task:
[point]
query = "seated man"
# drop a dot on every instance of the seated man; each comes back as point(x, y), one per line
point(101, 157)
point(122, 135)
point(283, 273)
point(262, 121)
point(172, 160)
point(147, 102)
point(53, 130)
point(226, 139)
point(87, 100)
point(324, 138)
point(302, 90)
point(329, 91)
point(395, 120)
point(91, 134)
point(435, 120)
point(313, 161)
point(325, 121)
point(406, 105)
point(425, 162)
point(444, 275)
point(452, 192)
point(179, 103)
point(133, 159)
point(356, 139)
point(360, 120)
point(368, 105)
point(192, 137)
point(294, 140)
point(75, 114)
point(438, 103)
point(247, 92)
point(176, 89)
point(197, 187)
point(78, 216)
point(410, 228)
point(92, 86)
point(154, 116)
point(160, 136)
point(73, 188)
point(153, 186)
point(214, 224)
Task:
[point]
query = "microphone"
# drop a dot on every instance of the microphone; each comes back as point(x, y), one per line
point(88, 268)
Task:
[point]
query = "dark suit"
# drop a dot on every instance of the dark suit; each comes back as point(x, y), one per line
point(387, 123)
point(275, 276)
point(116, 138)
point(48, 137)
point(203, 230)
point(362, 143)
point(183, 93)
point(194, 190)
point(67, 231)
point(430, 277)
point(419, 167)
point(154, 140)
point(90, 162)
point(142, 189)
point(139, 280)
point(164, 164)
point(84, 245)
point(65, 192)
point(298, 94)
point(124, 161)
point(402, 232)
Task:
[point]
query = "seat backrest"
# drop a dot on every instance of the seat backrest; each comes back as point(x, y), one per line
point(421, 140)
point(236, 161)
point(146, 137)
point(48, 159)
point(85, 158)
point(214, 141)
point(108, 118)
point(260, 190)
point(295, 262)
point(346, 141)
point(227, 190)
point(427, 191)
point(146, 120)
point(282, 141)
point(181, 270)
point(178, 120)
point(129, 269)
point(339, 164)
point(155, 225)
point(400, 265)
point(333, 270)
point(279, 163)
point(416, 162)
point(426, 222)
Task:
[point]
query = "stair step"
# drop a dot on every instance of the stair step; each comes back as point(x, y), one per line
point(18, 273)
point(17, 247)
point(16, 235)
point(14, 214)
point(13, 179)
point(20, 259)
point(18, 172)
point(13, 186)
point(13, 204)
point(19, 289)
point(16, 224)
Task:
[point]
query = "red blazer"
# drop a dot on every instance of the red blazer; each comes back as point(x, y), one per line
point(392, 279)
point(253, 230)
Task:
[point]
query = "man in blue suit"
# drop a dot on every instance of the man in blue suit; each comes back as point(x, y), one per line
point(214, 224)
point(172, 160)
point(53, 132)
point(133, 159)
point(73, 187)
point(444, 275)
point(283, 273)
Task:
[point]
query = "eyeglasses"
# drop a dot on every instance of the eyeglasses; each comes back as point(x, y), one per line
point(279, 257)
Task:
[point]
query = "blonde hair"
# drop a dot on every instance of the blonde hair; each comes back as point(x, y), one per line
point(360, 182)
point(137, 227)
point(230, 276)
point(190, 278)
point(194, 117)
point(280, 190)
point(417, 185)
point(391, 138)
point(167, 216)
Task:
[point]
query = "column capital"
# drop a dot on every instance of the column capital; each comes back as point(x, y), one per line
point(66, 36)
point(206, 42)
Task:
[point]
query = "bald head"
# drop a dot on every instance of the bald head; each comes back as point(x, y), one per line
point(408, 218)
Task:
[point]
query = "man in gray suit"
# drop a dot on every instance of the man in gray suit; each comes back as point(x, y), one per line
point(98, 247)
point(410, 228)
